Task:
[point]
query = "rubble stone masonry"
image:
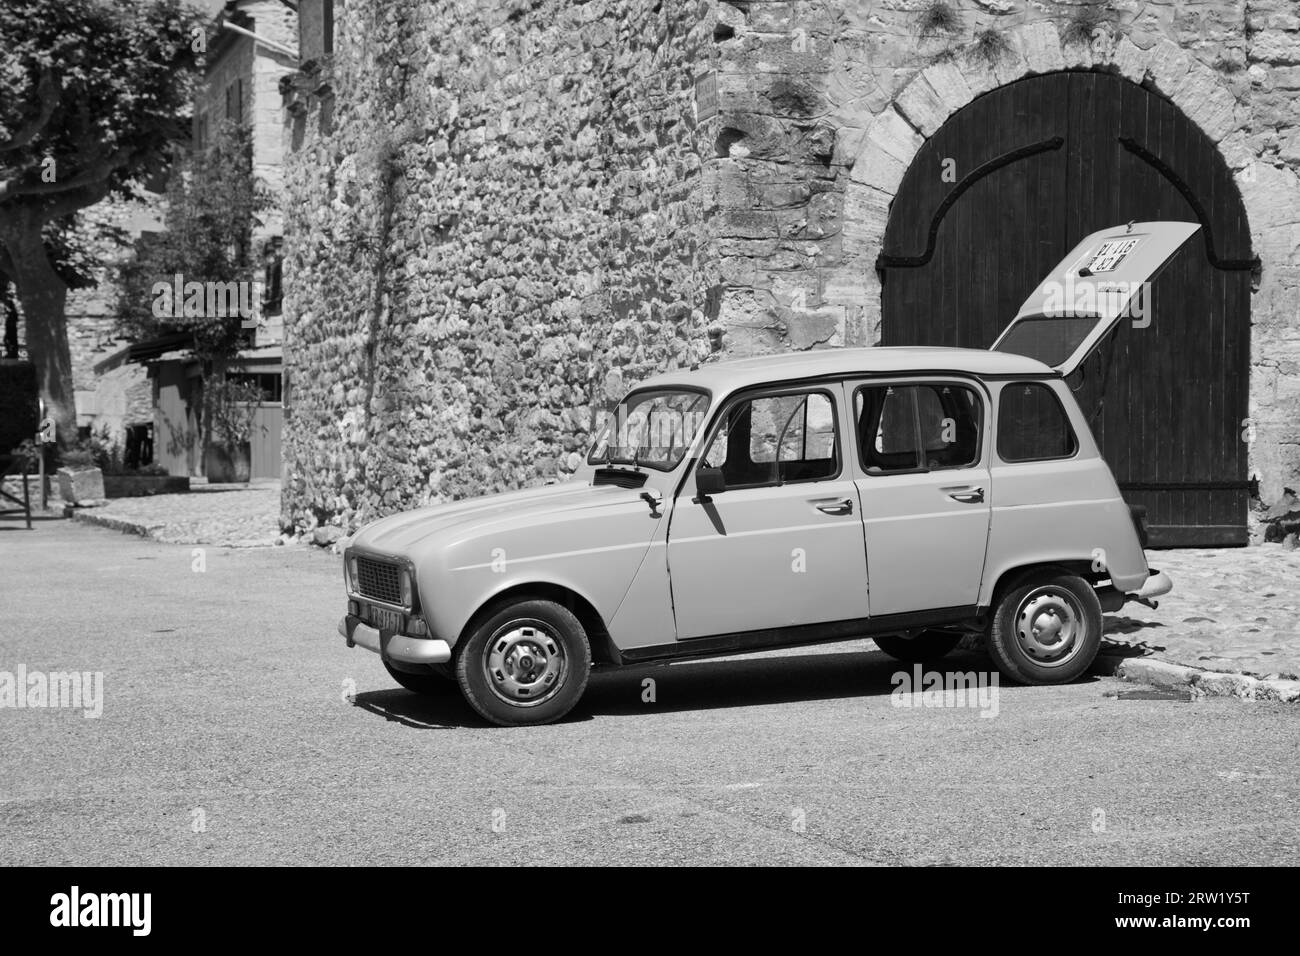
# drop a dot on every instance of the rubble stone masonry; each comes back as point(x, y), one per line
point(495, 225)
point(504, 213)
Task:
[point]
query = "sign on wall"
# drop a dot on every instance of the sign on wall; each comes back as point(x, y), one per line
point(706, 96)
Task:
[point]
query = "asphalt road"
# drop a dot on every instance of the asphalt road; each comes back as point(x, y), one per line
point(228, 736)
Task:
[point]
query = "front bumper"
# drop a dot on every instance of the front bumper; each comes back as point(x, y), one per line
point(394, 647)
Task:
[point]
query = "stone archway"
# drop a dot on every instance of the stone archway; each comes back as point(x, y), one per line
point(890, 139)
point(1038, 164)
point(879, 143)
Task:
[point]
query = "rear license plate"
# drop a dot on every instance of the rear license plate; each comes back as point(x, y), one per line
point(382, 618)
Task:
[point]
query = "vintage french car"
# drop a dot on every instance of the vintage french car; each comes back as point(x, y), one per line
point(910, 495)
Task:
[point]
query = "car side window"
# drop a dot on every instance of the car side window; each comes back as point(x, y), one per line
point(923, 427)
point(776, 439)
point(1032, 424)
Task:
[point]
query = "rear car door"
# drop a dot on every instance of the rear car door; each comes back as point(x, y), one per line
point(782, 545)
point(925, 490)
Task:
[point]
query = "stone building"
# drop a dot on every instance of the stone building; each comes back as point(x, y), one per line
point(502, 214)
point(251, 46)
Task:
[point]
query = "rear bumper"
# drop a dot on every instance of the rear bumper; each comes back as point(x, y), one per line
point(394, 647)
point(1156, 584)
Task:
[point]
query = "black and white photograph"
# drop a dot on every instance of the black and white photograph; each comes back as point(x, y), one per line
point(449, 434)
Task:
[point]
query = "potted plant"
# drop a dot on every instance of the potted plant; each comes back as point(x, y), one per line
point(232, 407)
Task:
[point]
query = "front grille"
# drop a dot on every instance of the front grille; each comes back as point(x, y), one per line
point(379, 581)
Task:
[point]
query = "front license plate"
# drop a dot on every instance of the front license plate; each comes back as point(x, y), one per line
point(382, 618)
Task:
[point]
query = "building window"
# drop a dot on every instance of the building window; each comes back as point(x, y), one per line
point(267, 382)
point(272, 275)
point(235, 101)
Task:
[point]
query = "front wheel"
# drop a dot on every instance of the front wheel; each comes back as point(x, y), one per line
point(526, 664)
point(1046, 629)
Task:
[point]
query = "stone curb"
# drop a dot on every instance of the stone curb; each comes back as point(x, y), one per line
point(153, 531)
point(1200, 682)
point(124, 525)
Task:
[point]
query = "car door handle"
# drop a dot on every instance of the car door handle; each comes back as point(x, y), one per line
point(970, 496)
point(835, 506)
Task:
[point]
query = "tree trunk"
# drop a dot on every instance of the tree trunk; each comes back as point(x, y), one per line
point(44, 299)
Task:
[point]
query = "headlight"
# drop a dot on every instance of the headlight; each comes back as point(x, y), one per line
point(406, 587)
point(350, 573)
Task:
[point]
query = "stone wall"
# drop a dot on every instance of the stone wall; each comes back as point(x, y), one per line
point(495, 224)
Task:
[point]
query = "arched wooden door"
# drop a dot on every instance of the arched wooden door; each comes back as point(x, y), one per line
point(1034, 167)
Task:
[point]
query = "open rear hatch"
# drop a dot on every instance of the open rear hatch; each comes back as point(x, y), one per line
point(1080, 301)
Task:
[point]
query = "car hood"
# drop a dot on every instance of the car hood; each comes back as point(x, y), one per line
point(401, 533)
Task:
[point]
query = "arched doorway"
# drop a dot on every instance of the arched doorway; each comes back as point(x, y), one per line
point(1035, 166)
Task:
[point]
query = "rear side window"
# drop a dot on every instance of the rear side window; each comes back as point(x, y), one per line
point(1032, 424)
point(922, 427)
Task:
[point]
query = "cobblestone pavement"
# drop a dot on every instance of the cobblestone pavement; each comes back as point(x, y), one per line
point(1231, 609)
point(238, 516)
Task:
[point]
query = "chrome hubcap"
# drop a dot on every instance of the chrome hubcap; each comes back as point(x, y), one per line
point(525, 663)
point(1050, 626)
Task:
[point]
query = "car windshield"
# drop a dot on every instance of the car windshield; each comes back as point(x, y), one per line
point(653, 428)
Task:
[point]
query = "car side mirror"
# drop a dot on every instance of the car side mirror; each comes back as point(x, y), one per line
point(708, 482)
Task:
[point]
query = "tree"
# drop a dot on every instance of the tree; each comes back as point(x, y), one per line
point(75, 248)
point(212, 202)
point(92, 92)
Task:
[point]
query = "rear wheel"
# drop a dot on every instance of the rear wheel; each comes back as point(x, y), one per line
point(430, 682)
point(926, 646)
point(1046, 628)
point(525, 664)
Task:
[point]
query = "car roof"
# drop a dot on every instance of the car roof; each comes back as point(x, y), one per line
point(725, 377)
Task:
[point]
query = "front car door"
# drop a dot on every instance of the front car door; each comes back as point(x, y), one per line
point(782, 545)
point(925, 491)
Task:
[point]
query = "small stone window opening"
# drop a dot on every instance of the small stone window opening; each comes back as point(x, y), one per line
point(726, 139)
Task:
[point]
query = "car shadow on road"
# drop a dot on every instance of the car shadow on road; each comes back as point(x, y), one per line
point(445, 711)
point(755, 682)
point(694, 686)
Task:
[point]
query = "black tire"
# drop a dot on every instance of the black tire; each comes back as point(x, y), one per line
point(926, 646)
point(431, 682)
point(1025, 636)
point(527, 663)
